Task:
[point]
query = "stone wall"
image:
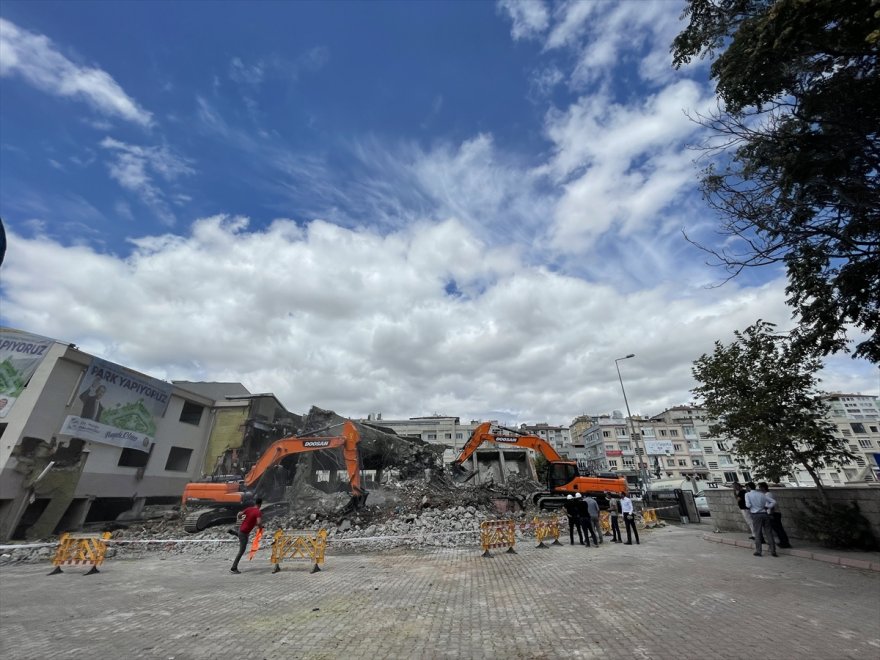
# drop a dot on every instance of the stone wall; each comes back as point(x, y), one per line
point(727, 517)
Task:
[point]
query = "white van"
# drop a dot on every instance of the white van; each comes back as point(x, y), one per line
point(696, 487)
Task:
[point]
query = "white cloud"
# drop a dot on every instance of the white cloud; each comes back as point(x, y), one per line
point(358, 322)
point(134, 168)
point(530, 17)
point(246, 74)
point(36, 60)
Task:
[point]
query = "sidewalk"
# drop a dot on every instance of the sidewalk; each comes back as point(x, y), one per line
point(869, 561)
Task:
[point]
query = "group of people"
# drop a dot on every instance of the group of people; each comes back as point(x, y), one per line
point(758, 508)
point(583, 516)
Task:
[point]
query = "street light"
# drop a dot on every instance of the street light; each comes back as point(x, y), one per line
point(643, 472)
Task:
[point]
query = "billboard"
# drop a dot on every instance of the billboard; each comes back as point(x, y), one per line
point(657, 447)
point(20, 355)
point(117, 407)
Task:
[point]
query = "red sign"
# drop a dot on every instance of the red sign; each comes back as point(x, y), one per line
point(613, 452)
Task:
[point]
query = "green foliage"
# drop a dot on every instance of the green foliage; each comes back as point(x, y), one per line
point(541, 467)
point(761, 390)
point(836, 525)
point(798, 177)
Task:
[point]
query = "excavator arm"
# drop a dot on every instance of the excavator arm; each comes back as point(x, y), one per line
point(486, 433)
point(280, 449)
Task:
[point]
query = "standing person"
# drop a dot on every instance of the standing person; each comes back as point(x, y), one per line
point(584, 514)
point(757, 501)
point(739, 492)
point(595, 525)
point(629, 520)
point(574, 519)
point(251, 517)
point(776, 520)
point(614, 511)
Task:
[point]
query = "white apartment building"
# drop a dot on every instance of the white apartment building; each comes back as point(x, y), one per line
point(856, 418)
point(558, 437)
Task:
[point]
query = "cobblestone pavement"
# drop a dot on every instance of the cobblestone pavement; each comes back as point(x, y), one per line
point(674, 596)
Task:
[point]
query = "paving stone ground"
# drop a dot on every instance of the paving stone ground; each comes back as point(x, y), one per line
point(674, 596)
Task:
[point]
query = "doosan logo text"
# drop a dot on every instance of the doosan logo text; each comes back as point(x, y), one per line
point(316, 443)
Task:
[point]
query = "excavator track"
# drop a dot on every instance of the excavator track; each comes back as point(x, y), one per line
point(200, 519)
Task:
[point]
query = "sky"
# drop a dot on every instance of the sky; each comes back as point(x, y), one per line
point(455, 208)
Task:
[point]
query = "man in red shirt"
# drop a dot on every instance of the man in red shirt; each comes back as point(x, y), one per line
point(251, 517)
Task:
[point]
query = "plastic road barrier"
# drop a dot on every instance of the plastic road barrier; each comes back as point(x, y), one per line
point(547, 527)
point(80, 550)
point(497, 534)
point(302, 545)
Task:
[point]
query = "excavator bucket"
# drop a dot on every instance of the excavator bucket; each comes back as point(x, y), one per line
point(461, 475)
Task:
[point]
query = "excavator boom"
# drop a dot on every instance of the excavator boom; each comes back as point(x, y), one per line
point(563, 477)
point(222, 497)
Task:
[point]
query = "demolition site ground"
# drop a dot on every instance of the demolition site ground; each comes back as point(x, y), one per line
point(673, 596)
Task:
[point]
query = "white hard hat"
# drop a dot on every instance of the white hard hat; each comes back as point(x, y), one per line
point(577, 495)
point(568, 497)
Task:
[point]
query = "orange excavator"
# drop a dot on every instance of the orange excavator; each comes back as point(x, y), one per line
point(563, 477)
point(219, 502)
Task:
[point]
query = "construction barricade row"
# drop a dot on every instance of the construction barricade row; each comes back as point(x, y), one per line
point(80, 550)
point(497, 534)
point(298, 545)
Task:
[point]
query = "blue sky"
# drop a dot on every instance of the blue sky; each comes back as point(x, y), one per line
point(468, 208)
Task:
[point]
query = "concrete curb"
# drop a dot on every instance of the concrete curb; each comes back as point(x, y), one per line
point(849, 562)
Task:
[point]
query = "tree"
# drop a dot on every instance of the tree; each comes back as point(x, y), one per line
point(796, 179)
point(761, 392)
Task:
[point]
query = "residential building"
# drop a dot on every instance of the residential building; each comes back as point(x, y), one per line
point(85, 440)
point(856, 418)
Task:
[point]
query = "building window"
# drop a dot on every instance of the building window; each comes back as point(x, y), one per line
point(662, 433)
point(858, 427)
point(835, 477)
point(747, 476)
point(448, 436)
point(134, 458)
point(689, 432)
point(612, 463)
point(606, 434)
point(673, 433)
point(676, 447)
point(624, 446)
point(670, 462)
point(628, 462)
point(191, 413)
point(708, 449)
point(865, 443)
point(713, 465)
point(697, 462)
point(432, 436)
point(178, 459)
point(459, 436)
point(621, 432)
point(609, 447)
point(648, 431)
point(846, 432)
point(730, 477)
point(873, 429)
point(682, 462)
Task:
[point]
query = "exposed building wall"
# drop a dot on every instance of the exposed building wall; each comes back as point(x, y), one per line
point(228, 433)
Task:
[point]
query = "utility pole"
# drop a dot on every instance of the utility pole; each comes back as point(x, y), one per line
point(644, 477)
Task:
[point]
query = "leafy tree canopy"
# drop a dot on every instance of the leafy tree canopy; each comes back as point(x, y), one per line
point(761, 389)
point(799, 114)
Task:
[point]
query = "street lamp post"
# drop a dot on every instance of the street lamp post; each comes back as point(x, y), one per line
point(643, 472)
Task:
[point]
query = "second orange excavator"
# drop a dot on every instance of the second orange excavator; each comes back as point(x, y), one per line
point(219, 502)
point(563, 477)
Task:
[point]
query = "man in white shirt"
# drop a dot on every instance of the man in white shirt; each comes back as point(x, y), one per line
point(760, 502)
point(626, 507)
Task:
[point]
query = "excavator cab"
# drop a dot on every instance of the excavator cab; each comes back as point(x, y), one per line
point(560, 473)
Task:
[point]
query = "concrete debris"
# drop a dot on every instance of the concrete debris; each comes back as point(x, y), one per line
point(414, 502)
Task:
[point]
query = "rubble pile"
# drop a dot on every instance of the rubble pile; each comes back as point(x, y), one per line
point(416, 503)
